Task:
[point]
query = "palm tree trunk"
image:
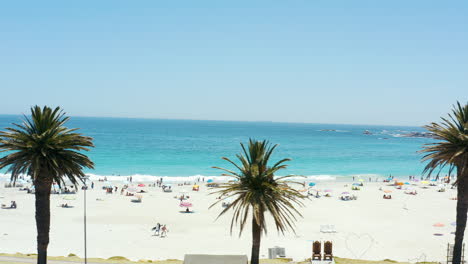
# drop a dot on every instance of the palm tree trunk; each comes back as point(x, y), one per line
point(462, 210)
point(256, 237)
point(42, 186)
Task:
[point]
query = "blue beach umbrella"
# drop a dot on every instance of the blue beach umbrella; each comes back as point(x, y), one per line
point(209, 181)
point(407, 183)
point(311, 184)
point(356, 184)
point(433, 180)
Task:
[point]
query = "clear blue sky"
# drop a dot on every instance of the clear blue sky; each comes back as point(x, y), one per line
point(363, 62)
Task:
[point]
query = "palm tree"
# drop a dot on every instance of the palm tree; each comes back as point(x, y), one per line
point(255, 189)
point(452, 151)
point(43, 148)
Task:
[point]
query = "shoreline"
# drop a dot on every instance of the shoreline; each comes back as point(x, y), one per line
point(203, 178)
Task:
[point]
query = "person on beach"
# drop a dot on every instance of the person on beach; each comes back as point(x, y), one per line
point(156, 229)
point(164, 231)
point(92, 185)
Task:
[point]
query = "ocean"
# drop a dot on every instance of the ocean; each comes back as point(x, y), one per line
point(183, 148)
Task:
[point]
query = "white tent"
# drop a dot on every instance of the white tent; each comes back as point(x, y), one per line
point(215, 259)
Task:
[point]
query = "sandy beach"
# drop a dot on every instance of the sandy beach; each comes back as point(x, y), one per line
point(367, 228)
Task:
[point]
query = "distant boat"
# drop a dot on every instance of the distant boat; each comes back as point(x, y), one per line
point(367, 132)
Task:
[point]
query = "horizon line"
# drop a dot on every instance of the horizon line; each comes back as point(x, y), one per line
point(218, 120)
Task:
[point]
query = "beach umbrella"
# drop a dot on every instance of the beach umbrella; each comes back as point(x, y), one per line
point(185, 204)
point(439, 224)
point(399, 183)
point(141, 185)
point(407, 183)
point(356, 184)
point(209, 181)
point(387, 191)
point(424, 182)
point(433, 180)
point(389, 179)
point(311, 184)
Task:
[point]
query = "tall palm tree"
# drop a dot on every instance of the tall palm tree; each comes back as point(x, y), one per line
point(255, 189)
point(43, 148)
point(452, 151)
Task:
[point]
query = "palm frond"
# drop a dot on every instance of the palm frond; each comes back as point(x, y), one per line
point(451, 149)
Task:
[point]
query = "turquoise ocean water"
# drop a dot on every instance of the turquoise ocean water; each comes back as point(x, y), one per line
point(187, 147)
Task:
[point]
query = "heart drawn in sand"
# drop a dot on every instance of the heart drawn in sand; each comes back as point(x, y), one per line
point(420, 259)
point(359, 244)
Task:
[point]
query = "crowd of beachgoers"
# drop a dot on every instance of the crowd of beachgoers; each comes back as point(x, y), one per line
point(369, 218)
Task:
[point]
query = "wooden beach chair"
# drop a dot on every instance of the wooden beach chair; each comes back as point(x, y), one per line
point(328, 250)
point(316, 250)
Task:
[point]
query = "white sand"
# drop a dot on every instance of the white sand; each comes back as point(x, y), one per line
point(368, 228)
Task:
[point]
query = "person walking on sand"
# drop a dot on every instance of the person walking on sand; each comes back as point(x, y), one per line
point(156, 229)
point(164, 231)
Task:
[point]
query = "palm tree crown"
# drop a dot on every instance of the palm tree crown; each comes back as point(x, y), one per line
point(255, 188)
point(43, 144)
point(452, 148)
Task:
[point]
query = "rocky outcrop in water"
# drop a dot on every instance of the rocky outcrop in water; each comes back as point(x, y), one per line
point(420, 135)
